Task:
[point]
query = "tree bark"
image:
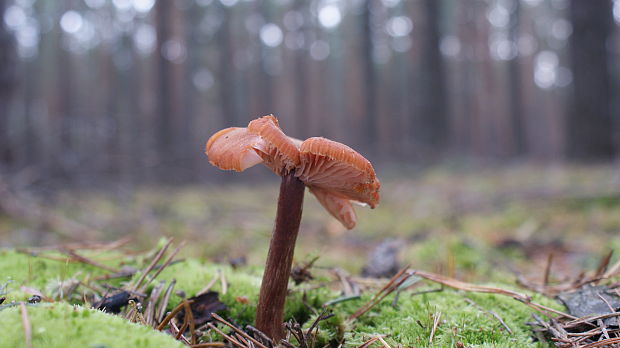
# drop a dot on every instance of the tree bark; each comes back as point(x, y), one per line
point(432, 111)
point(589, 125)
point(301, 78)
point(7, 69)
point(226, 71)
point(164, 133)
point(515, 87)
point(370, 77)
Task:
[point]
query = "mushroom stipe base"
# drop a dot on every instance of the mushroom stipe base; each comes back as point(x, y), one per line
point(270, 310)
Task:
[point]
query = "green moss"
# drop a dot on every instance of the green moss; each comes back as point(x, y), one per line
point(460, 321)
point(467, 258)
point(62, 325)
point(242, 288)
point(411, 321)
point(601, 201)
point(408, 324)
point(17, 269)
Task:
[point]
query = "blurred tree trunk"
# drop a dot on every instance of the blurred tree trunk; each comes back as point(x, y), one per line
point(126, 115)
point(7, 68)
point(335, 67)
point(192, 65)
point(301, 78)
point(485, 109)
point(113, 95)
point(27, 89)
point(226, 70)
point(529, 92)
point(463, 131)
point(431, 111)
point(370, 76)
point(515, 86)
point(178, 87)
point(264, 84)
point(63, 111)
point(163, 17)
point(589, 125)
point(107, 83)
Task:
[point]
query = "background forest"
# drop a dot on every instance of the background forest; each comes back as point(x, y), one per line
point(129, 90)
point(493, 125)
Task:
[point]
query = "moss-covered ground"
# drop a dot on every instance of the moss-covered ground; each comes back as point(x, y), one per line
point(407, 322)
point(484, 227)
point(65, 325)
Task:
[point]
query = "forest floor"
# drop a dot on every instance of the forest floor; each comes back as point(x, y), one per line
point(522, 230)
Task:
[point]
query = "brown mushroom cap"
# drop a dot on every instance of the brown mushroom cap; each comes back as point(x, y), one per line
point(279, 152)
point(335, 167)
point(334, 173)
point(338, 206)
point(234, 149)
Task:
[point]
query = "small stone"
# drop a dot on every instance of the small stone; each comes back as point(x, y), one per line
point(34, 299)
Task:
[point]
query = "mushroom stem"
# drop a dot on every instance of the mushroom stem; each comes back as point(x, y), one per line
point(270, 310)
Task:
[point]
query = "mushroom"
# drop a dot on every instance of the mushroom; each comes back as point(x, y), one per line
point(333, 172)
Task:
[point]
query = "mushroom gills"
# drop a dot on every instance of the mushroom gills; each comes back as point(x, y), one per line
point(338, 206)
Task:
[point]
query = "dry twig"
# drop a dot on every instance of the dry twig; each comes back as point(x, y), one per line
point(189, 318)
point(457, 284)
point(548, 269)
point(175, 332)
point(492, 313)
point(387, 289)
point(154, 262)
point(26, 324)
point(164, 265)
point(369, 342)
point(229, 338)
point(163, 304)
point(223, 281)
point(237, 330)
point(385, 344)
point(208, 286)
point(436, 318)
point(151, 302)
point(72, 254)
point(171, 315)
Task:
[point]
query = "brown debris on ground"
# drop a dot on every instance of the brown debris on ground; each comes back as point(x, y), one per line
point(593, 303)
point(591, 320)
point(383, 259)
point(301, 272)
point(190, 321)
point(203, 307)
